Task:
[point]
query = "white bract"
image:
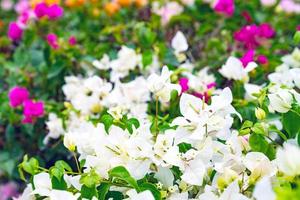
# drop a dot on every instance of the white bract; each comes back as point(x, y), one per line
point(161, 86)
point(234, 69)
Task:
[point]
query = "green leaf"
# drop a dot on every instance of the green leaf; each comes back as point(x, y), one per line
point(148, 186)
point(121, 173)
point(132, 122)
point(58, 183)
point(258, 129)
point(107, 120)
point(297, 38)
point(102, 190)
point(90, 179)
point(147, 58)
point(63, 165)
point(30, 166)
point(184, 147)
point(88, 192)
point(290, 122)
point(258, 143)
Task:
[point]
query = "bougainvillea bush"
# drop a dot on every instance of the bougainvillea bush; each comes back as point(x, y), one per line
point(150, 99)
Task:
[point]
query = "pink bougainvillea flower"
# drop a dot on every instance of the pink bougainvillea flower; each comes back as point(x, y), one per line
point(40, 9)
point(183, 82)
point(55, 12)
point(8, 191)
point(265, 30)
point(251, 35)
point(262, 59)
point(225, 7)
point(72, 41)
point(247, 57)
point(211, 85)
point(17, 96)
point(32, 110)
point(15, 32)
point(22, 6)
point(52, 40)
point(52, 12)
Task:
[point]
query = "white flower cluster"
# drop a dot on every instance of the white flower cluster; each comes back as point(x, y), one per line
point(198, 157)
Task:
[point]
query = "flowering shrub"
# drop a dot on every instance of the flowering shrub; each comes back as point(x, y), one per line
point(137, 99)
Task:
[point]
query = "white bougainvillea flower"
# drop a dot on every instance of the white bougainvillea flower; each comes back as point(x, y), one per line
point(280, 101)
point(194, 171)
point(263, 190)
point(55, 127)
point(286, 160)
point(161, 86)
point(259, 165)
point(293, 59)
point(165, 176)
point(250, 90)
point(60, 194)
point(42, 183)
point(27, 194)
point(234, 69)
point(102, 64)
point(145, 195)
point(232, 192)
point(179, 43)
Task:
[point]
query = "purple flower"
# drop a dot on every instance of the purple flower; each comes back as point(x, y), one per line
point(248, 57)
point(32, 110)
point(55, 12)
point(52, 40)
point(183, 82)
point(72, 41)
point(14, 31)
point(17, 96)
point(225, 7)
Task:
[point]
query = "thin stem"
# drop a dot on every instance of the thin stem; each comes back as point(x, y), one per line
point(156, 115)
point(77, 164)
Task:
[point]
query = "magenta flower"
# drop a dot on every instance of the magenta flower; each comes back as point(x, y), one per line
point(32, 110)
point(251, 35)
point(225, 7)
point(183, 82)
point(72, 41)
point(17, 96)
point(211, 85)
point(52, 40)
point(262, 59)
point(266, 31)
point(40, 10)
point(14, 31)
point(55, 12)
point(248, 57)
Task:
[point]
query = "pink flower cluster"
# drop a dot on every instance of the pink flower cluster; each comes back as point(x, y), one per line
point(251, 36)
point(249, 56)
point(225, 7)
point(183, 82)
point(52, 40)
point(53, 12)
point(31, 109)
point(16, 28)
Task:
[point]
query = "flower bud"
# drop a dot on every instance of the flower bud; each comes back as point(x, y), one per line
point(260, 113)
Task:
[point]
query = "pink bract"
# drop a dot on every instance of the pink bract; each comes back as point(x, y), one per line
point(17, 96)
